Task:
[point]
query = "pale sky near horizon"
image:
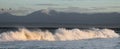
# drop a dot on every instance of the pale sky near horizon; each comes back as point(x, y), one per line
point(67, 5)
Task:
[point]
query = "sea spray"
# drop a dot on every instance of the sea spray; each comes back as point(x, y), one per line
point(61, 34)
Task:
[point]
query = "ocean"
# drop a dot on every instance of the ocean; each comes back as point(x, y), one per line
point(59, 38)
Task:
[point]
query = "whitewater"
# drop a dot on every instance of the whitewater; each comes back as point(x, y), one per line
point(60, 34)
point(61, 38)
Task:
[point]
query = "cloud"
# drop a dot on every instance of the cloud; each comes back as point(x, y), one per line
point(17, 11)
point(47, 4)
point(73, 0)
point(90, 9)
point(114, 6)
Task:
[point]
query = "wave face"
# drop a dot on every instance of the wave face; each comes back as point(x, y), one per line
point(61, 34)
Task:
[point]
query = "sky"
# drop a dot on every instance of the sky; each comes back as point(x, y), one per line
point(82, 6)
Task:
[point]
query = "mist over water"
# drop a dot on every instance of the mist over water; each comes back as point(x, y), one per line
point(60, 34)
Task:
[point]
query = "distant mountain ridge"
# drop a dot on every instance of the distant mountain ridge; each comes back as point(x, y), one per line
point(62, 17)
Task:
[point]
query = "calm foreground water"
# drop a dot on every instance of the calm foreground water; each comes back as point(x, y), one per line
point(60, 38)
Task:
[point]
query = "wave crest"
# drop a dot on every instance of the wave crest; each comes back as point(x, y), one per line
point(61, 34)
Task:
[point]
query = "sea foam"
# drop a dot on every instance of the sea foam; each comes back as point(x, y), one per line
point(60, 34)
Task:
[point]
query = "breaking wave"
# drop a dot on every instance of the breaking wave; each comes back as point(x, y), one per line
point(60, 34)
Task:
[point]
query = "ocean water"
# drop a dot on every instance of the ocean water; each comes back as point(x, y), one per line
point(61, 38)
